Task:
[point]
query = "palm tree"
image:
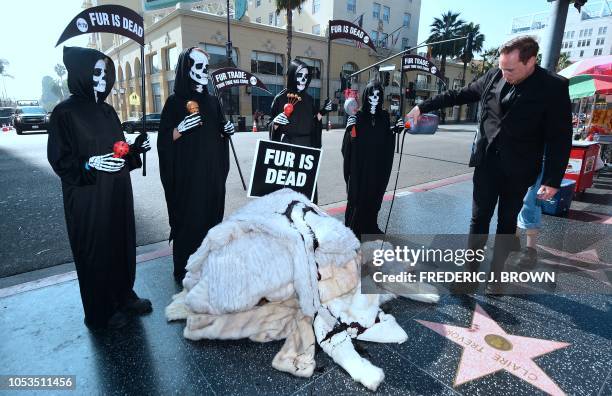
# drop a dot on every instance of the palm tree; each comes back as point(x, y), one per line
point(3, 64)
point(60, 70)
point(477, 43)
point(447, 27)
point(562, 63)
point(289, 6)
point(489, 61)
point(467, 54)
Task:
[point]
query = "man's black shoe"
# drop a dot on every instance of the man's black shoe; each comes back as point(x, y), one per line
point(527, 258)
point(137, 306)
point(464, 287)
point(117, 321)
point(494, 290)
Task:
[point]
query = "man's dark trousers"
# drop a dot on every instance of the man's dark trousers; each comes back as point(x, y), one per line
point(492, 187)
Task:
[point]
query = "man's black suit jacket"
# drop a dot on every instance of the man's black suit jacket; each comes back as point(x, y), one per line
point(537, 125)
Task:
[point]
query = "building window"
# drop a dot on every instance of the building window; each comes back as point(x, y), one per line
point(315, 93)
point(600, 41)
point(348, 69)
point(316, 29)
point(267, 63)
point(218, 55)
point(405, 43)
point(154, 63)
point(376, 11)
point(171, 58)
point(598, 51)
point(157, 102)
point(407, 19)
point(581, 53)
point(314, 65)
point(588, 42)
point(351, 6)
point(170, 87)
point(257, 3)
point(386, 13)
point(602, 30)
point(316, 5)
point(258, 19)
point(573, 33)
point(261, 100)
point(270, 18)
point(581, 33)
point(374, 36)
point(590, 32)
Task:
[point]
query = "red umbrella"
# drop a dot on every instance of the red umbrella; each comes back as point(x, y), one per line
point(599, 65)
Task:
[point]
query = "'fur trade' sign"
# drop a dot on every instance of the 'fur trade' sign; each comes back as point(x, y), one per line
point(279, 165)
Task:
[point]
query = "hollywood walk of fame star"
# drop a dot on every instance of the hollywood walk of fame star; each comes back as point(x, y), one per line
point(487, 348)
point(588, 256)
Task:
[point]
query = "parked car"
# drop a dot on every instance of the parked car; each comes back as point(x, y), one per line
point(135, 126)
point(6, 116)
point(30, 118)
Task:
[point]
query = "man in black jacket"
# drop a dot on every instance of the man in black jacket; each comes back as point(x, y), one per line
point(525, 115)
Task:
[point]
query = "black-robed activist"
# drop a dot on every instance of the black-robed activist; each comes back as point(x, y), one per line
point(525, 112)
point(302, 126)
point(368, 157)
point(97, 190)
point(193, 157)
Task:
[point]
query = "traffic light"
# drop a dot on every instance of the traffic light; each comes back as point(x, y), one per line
point(578, 4)
point(387, 77)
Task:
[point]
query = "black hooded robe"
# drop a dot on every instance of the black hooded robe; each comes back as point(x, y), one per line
point(98, 206)
point(368, 159)
point(193, 168)
point(304, 128)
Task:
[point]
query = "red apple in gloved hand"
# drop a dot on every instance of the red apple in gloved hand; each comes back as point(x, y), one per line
point(288, 109)
point(120, 149)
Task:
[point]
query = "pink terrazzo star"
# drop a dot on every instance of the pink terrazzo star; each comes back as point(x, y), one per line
point(487, 348)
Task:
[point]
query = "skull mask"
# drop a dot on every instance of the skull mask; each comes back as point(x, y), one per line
point(373, 100)
point(99, 77)
point(301, 78)
point(199, 69)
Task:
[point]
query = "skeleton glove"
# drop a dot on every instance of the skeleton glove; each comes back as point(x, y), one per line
point(228, 129)
point(105, 163)
point(191, 121)
point(141, 144)
point(351, 121)
point(281, 119)
point(327, 107)
point(399, 126)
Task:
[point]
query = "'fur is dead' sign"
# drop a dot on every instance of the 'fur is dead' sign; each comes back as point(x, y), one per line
point(279, 165)
point(109, 18)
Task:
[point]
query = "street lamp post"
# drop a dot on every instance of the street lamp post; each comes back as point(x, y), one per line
point(554, 33)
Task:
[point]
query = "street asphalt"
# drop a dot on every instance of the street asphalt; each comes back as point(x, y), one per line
point(32, 223)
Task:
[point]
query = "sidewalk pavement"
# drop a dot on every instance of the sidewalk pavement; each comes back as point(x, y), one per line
point(559, 343)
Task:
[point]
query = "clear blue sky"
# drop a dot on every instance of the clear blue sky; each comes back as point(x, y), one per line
point(30, 30)
point(494, 16)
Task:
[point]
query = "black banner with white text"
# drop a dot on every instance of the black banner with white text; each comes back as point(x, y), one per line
point(279, 165)
point(106, 18)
